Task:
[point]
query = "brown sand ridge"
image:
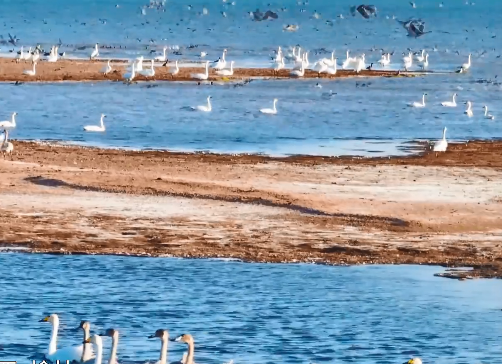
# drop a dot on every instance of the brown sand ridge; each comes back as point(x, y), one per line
point(444, 210)
point(85, 70)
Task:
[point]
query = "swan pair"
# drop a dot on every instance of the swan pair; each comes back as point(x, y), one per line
point(80, 353)
point(204, 108)
point(100, 127)
point(6, 147)
point(98, 343)
point(385, 60)
point(221, 63)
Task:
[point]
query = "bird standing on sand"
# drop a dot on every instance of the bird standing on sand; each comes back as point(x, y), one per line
point(95, 52)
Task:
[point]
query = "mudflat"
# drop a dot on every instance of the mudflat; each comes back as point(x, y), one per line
point(86, 70)
point(422, 209)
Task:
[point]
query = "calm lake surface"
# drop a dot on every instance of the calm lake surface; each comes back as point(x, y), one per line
point(253, 313)
point(365, 117)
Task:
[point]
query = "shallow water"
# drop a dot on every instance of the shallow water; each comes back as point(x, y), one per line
point(253, 313)
point(366, 117)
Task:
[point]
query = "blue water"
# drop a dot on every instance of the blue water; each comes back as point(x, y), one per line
point(253, 313)
point(370, 119)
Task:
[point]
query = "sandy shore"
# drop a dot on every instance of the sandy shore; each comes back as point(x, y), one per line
point(421, 209)
point(84, 70)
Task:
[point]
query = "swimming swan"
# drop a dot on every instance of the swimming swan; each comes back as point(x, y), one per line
point(162, 58)
point(114, 334)
point(188, 339)
point(176, 69)
point(73, 353)
point(88, 351)
point(98, 342)
point(100, 127)
point(468, 111)
point(204, 108)
point(488, 116)
point(106, 69)
point(202, 76)
point(6, 147)
point(419, 104)
point(95, 52)
point(467, 65)
point(31, 72)
point(452, 103)
point(273, 110)
point(441, 145)
point(9, 124)
point(229, 72)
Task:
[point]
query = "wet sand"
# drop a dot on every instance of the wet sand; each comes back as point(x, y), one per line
point(444, 210)
point(85, 70)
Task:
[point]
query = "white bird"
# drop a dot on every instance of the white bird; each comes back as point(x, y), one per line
point(222, 62)
point(442, 144)
point(139, 64)
point(360, 64)
point(106, 69)
point(279, 57)
point(162, 58)
point(130, 76)
point(419, 104)
point(329, 61)
point(6, 147)
point(31, 72)
point(488, 116)
point(425, 63)
point(273, 110)
point(114, 334)
point(100, 127)
point(348, 61)
point(204, 108)
point(229, 72)
point(452, 103)
point(320, 67)
point(298, 57)
point(150, 72)
point(305, 61)
point(202, 76)
point(36, 56)
point(467, 65)
point(298, 73)
point(385, 60)
point(98, 343)
point(21, 55)
point(408, 61)
point(203, 54)
point(279, 66)
point(53, 56)
point(73, 353)
point(95, 52)
point(8, 125)
point(468, 111)
point(332, 70)
point(28, 55)
point(421, 57)
point(176, 69)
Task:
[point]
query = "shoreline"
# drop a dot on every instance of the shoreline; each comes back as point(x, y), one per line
point(421, 209)
point(86, 70)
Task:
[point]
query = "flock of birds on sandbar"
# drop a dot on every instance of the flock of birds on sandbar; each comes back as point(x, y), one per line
point(91, 349)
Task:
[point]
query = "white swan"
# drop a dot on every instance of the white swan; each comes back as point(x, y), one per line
point(114, 334)
point(468, 111)
point(139, 64)
point(408, 61)
point(100, 127)
point(332, 70)
point(88, 350)
point(279, 57)
point(7, 125)
point(421, 57)
point(229, 72)
point(36, 55)
point(467, 65)
point(130, 76)
point(488, 116)
point(28, 55)
point(298, 73)
point(176, 69)
point(73, 353)
point(31, 72)
point(452, 103)
point(21, 54)
point(320, 67)
point(360, 63)
point(98, 342)
point(425, 63)
point(6, 147)
point(53, 56)
point(419, 104)
point(298, 57)
point(385, 60)
point(150, 72)
point(442, 144)
point(95, 52)
point(202, 76)
point(273, 110)
point(189, 358)
point(305, 61)
point(348, 61)
point(279, 66)
point(222, 62)
point(204, 108)
point(162, 58)
point(106, 69)
point(328, 61)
